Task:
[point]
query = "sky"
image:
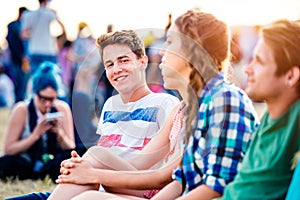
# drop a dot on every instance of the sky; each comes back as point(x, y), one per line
point(142, 14)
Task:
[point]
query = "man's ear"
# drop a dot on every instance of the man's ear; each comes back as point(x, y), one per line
point(144, 60)
point(293, 76)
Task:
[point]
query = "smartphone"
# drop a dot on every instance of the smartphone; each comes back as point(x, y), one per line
point(53, 116)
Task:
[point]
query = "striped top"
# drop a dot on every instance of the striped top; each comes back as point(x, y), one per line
point(127, 128)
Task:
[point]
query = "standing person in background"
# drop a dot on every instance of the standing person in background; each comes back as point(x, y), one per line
point(18, 58)
point(82, 46)
point(65, 62)
point(7, 92)
point(85, 57)
point(154, 77)
point(36, 28)
point(110, 28)
point(33, 146)
point(273, 77)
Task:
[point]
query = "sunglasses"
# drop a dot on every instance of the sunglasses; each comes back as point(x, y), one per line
point(45, 98)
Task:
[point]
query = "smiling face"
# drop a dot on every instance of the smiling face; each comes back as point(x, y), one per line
point(174, 67)
point(263, 83)
point(124, 70)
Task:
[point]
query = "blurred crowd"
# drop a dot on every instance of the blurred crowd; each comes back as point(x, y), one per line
point(80, 66)
point(30, 43)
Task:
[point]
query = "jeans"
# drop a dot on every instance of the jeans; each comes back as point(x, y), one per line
point(32, 196)
point(20, 80)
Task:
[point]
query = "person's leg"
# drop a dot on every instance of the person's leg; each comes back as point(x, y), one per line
point(99, 158)
point(35, 61)
point(108, 160)
point(67, 191)
point(15, 72)
point(102, 158)
point(20, 81)
point(12, 166)
point(103, 195)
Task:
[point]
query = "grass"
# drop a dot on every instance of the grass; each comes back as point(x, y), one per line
point(17, 187)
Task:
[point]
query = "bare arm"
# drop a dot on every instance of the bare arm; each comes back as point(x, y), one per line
point(140, 180)
point(203, 192)
point(83, 173)
point(157, 148)
point(171, 191)
point(65, 130)
point(174, 190)
point(25, 33)
point(12, 143)
point(61, 25)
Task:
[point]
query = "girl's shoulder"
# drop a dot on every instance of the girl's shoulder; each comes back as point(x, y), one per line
point(20, 107)
point(61, 105)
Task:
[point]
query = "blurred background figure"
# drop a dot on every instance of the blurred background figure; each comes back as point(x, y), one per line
point(66, 64)
point(57, 74)
point(104, 89)
point(82, 43)
point(36, 28)
point(19, 64)
point(154, 77)
point(110, 28)
point(149, 39)
point(34, 147)
point(237, 74)
point(85, 57)
point(84, 121)
point(7, 95)
point(243, 40)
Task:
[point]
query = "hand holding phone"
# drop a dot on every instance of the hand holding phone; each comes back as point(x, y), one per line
point(53, 116)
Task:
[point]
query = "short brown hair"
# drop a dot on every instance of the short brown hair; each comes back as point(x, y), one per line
point(125, 37)
point(283, 36)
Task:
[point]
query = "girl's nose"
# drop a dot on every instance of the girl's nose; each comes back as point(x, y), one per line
point(249, 68)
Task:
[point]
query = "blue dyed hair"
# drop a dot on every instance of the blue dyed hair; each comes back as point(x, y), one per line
point(45, 77)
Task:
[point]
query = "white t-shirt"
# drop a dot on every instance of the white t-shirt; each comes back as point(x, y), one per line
point(127, 128)
point(41, 40)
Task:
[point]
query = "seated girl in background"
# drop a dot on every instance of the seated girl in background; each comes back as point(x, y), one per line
point(33, 146)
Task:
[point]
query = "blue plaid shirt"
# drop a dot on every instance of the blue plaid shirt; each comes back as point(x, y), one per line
point(226, 121)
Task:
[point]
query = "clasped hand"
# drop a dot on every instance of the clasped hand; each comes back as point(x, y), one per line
point(75, 170)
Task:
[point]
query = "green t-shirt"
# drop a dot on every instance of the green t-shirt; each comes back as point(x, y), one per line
point(266, 169)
